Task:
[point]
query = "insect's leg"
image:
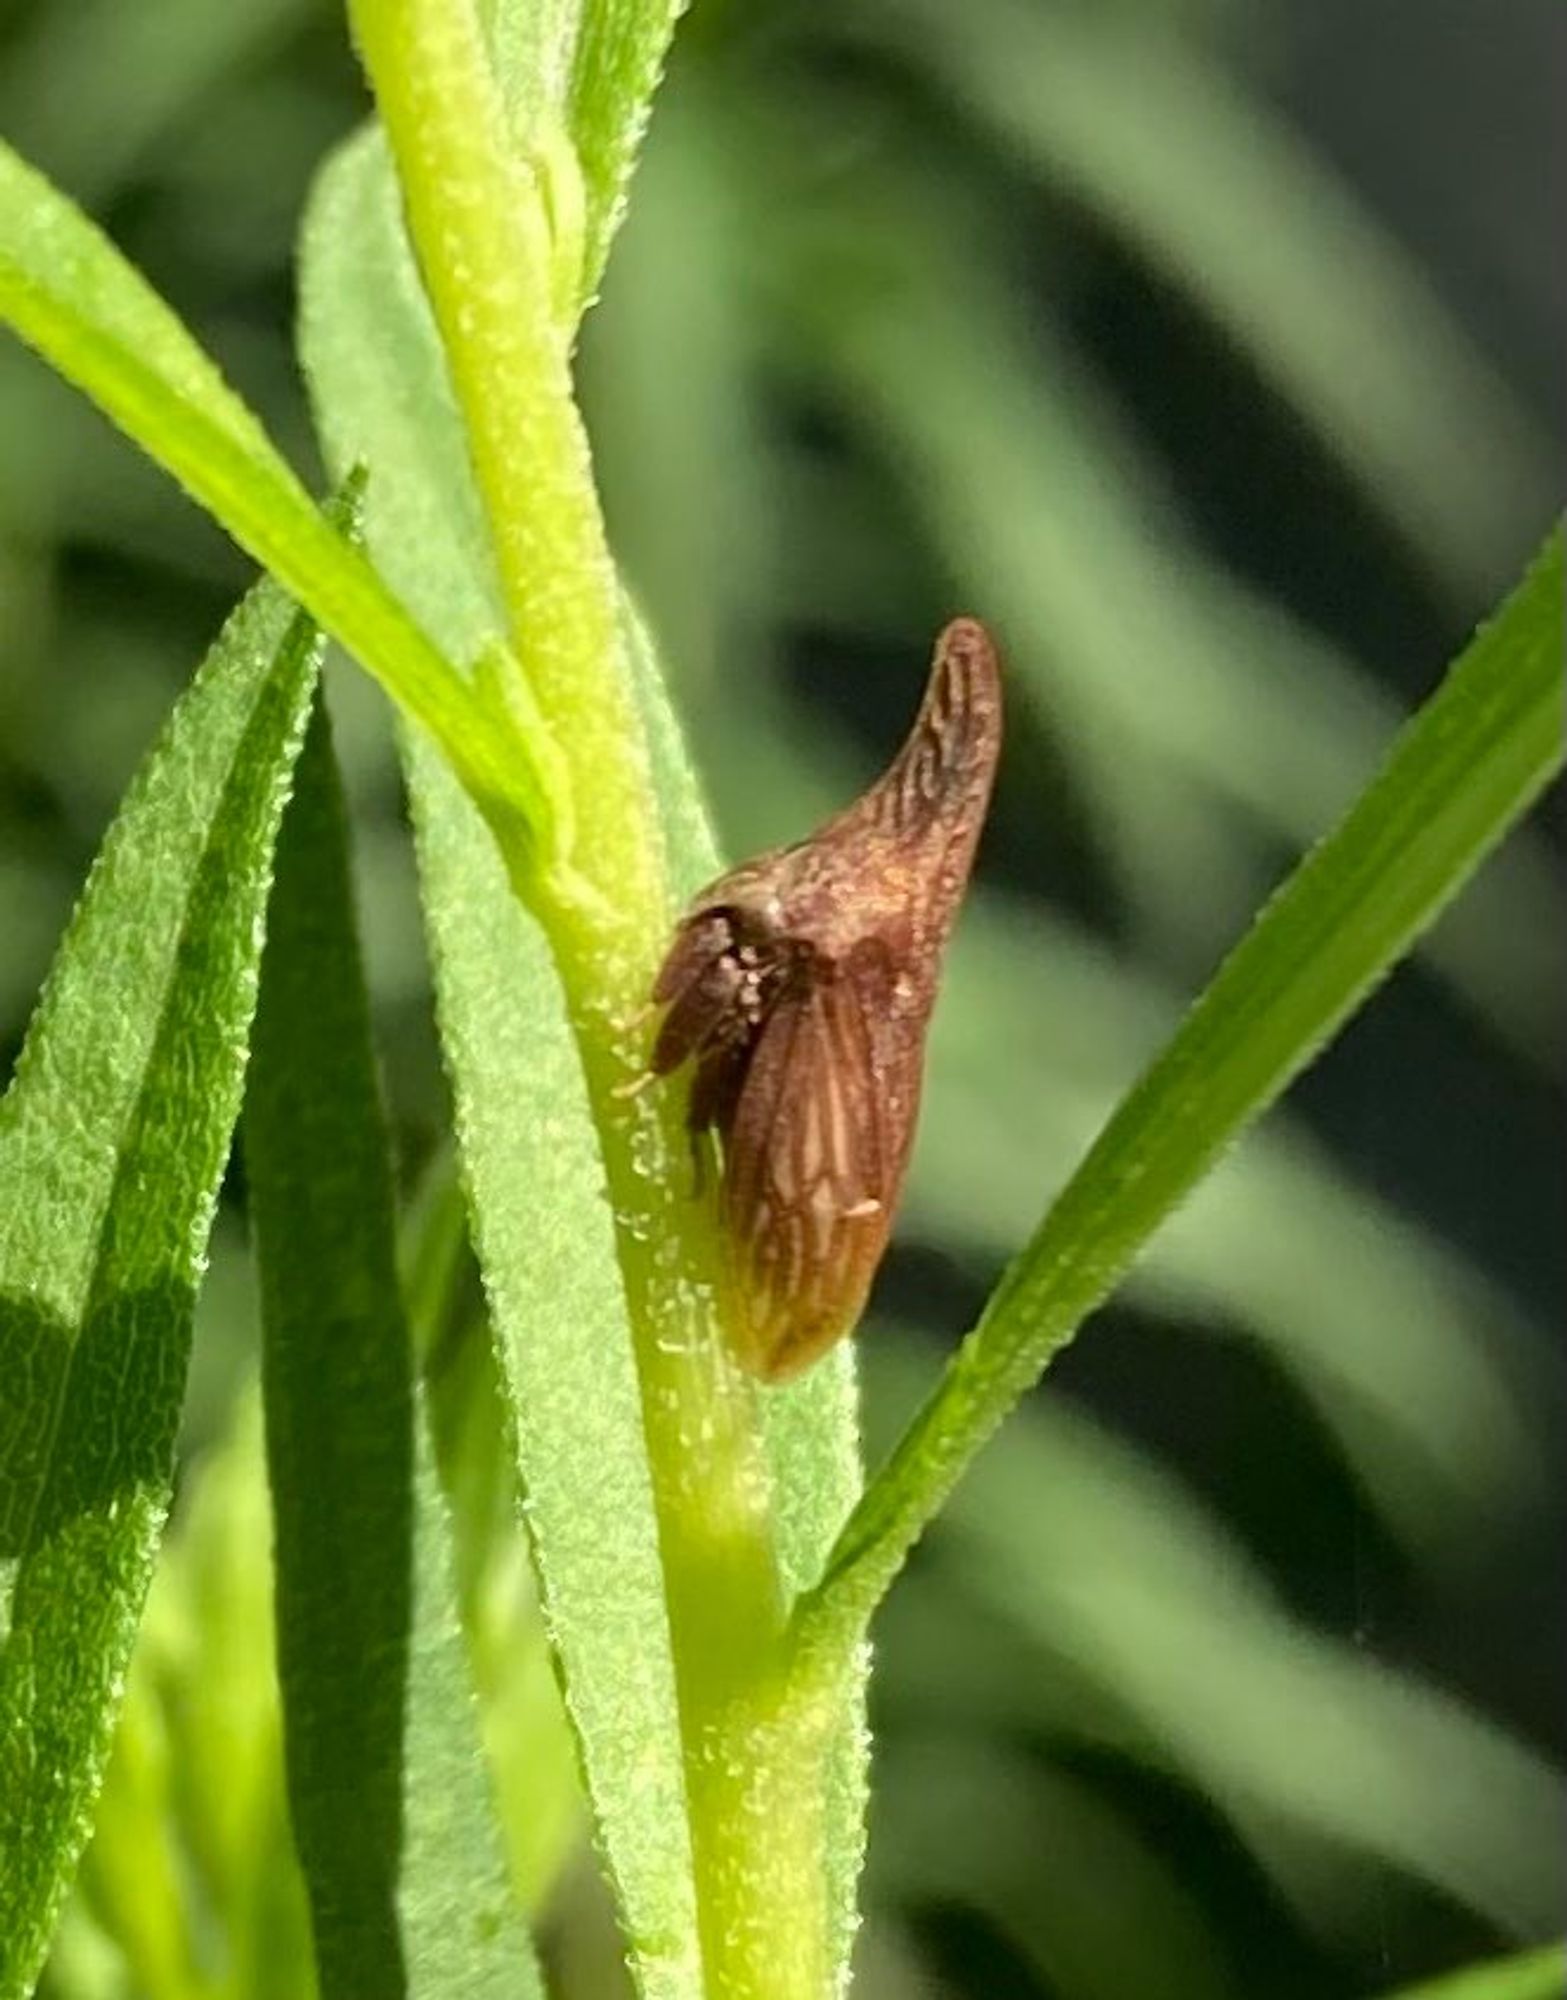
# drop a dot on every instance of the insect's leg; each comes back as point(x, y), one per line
point(702, 1144)
point(634, 1023)
point(633, 1086)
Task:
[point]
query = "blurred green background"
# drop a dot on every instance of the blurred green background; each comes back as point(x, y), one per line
point(1207, 348)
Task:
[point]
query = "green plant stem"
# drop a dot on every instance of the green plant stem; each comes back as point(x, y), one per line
point(478, 223)
point(1458, 776)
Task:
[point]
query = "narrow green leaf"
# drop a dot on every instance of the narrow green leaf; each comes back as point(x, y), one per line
point(70, 294)
point(533, 1760)
point(533, 45)
point(387, 1789)
point(620, 57)
point(1528, 1975)
point(544, 1242)
point(112, 1142)
point(191, 1864)
point(1410, 1356)
point(589, 68)
point(530, 1155)
point(1462, 772)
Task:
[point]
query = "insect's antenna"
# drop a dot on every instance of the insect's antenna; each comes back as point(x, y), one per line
point(942, 775)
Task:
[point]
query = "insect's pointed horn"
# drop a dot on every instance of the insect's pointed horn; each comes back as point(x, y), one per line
point(943, 772)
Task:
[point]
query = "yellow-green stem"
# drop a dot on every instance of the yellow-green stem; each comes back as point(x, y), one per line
point(479, 222)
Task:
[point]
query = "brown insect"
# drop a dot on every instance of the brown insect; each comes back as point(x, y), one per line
point(802, 984)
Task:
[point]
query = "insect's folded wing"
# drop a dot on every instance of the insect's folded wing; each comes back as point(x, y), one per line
point(807, 1178)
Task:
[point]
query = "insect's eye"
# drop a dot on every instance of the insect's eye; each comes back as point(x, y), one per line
point(715, 986)
point(751, 940)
